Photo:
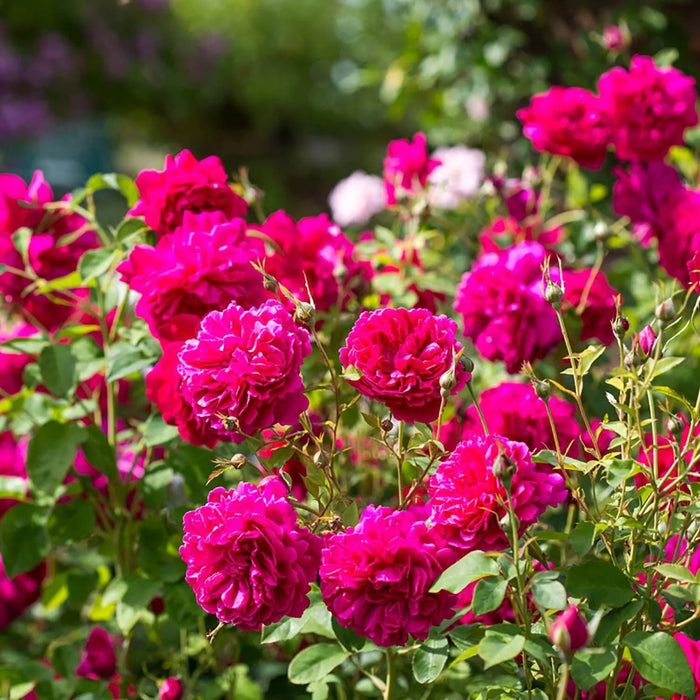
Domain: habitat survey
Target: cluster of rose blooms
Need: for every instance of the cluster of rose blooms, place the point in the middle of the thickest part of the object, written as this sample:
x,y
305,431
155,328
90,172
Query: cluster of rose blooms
x,y
237,306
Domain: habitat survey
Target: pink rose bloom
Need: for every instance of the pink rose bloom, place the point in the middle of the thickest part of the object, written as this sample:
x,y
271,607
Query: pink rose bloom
x,y
98,659
164,390
570,122
650,107
641,193
19,593
376,576
406,167
569,631
467,498
241,373
248,561
513,410
691,649
598,310
458,176
615,39
185,184
201,267
402,354
313,251
357,198
49,255
504,232
503,308
12,363
518,195
171,689
680,237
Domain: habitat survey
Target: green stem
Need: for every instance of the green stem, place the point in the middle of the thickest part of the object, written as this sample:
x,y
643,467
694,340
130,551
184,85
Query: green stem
x,y
390,674
478,408
563,681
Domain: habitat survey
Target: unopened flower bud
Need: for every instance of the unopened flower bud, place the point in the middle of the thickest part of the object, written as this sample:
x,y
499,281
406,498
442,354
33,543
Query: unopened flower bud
x,y
506,522
305,313
665,311
269,282
171,689
620,326
615,38
569,632
504,468
542,388
675,425
554,294
644,343
320,459
447,383
467,363
386,425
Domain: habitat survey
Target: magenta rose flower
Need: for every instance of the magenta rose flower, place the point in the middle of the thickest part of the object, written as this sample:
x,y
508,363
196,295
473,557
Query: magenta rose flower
x,y
241,373
650,108
503,308
468,499
679,240
513,410
171,689
200,268
407,167
691,649
98,659
12,363
313,252
164,390
58,240
376,576
185,184
591,297
402,356
248,561
641,193
568,122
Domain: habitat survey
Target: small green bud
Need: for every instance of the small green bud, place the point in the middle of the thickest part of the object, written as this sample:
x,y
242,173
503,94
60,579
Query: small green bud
x,y
554,294
675,425
305,313
665,311
542,388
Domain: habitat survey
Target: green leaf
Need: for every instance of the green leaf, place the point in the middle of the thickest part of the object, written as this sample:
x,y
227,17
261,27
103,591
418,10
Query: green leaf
x,y
621,469
676,572
72,521
609,626
158,432
58,369
99,453
51,452
124,359
660,659
548,591
315,662
95,262
24,541
471,567
488,595
581,538
496,648
351,374
130,227
600,582
591,667
315,620
348,639
665,364
589,356
430,658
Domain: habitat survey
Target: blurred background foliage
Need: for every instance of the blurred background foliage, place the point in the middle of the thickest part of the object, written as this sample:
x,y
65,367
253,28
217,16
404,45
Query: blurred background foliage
x,y
301,91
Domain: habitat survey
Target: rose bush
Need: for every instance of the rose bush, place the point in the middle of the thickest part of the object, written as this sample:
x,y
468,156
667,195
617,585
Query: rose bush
x,y
272,458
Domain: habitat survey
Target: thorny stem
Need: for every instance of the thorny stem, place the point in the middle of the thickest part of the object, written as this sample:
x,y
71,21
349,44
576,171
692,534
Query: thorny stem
x,y
478,408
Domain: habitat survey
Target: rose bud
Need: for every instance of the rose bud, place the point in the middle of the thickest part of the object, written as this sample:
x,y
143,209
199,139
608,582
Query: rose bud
x,y
171,689
569,632
98,659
